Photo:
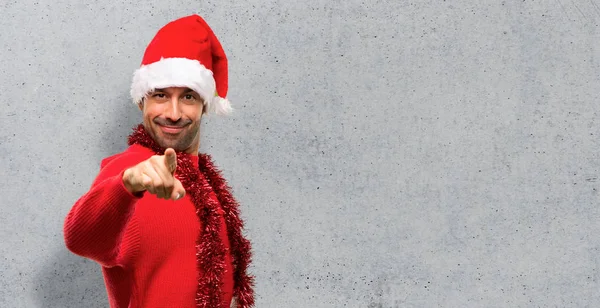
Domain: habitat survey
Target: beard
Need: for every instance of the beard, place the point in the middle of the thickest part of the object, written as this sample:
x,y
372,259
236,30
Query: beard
x,y
179,142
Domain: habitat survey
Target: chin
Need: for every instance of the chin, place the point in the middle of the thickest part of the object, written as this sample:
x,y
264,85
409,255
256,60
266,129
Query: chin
x,y
174,144
169,144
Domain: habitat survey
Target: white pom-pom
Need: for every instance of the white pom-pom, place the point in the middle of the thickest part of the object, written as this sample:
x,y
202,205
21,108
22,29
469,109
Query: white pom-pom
x,y
220,106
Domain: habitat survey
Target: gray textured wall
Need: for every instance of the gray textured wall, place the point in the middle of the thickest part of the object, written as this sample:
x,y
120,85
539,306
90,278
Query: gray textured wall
x,y
386,153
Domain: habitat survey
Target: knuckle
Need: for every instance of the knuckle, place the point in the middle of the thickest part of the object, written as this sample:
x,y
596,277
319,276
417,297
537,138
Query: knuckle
x,y
153,159
147,165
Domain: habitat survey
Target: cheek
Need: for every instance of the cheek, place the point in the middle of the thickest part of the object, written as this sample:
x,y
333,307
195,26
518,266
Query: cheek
x,y
152,111
192,112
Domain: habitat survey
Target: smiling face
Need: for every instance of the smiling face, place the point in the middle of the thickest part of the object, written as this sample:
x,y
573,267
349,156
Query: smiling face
x,y
172,117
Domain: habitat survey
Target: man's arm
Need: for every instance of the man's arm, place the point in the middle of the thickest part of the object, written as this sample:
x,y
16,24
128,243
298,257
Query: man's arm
x,y
95,225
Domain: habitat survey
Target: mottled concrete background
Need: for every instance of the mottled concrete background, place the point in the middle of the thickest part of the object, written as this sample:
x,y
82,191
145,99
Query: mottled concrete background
x,y
386,153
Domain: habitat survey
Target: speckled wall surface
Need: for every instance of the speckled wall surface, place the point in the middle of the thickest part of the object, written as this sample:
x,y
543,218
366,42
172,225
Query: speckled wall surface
x,y
385,153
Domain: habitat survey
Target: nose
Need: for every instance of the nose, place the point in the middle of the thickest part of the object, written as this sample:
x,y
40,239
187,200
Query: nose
x,y
172,112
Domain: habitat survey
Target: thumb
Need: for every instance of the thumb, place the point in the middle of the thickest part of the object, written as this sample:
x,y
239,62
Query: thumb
x,y
171,160
178,191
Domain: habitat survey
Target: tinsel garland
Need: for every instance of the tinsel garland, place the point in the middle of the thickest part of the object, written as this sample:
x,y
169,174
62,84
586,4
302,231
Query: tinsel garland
x,y
210,251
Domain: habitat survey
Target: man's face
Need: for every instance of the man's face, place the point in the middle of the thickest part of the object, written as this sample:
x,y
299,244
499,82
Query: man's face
x,y
172,117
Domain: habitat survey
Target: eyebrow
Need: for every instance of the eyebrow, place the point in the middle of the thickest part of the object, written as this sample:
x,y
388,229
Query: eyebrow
x,y
188,90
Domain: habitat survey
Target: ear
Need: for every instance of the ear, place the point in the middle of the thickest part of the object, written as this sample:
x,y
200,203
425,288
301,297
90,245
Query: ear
x,y
141,105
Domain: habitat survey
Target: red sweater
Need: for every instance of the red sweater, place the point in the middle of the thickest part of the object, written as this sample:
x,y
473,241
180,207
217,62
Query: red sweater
x,y
145,245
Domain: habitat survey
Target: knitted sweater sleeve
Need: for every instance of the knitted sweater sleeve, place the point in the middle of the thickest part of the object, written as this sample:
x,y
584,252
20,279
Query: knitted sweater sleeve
x,y
95,226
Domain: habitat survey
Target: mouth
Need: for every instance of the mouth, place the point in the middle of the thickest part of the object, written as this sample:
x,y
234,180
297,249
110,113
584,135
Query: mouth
x,y
171,129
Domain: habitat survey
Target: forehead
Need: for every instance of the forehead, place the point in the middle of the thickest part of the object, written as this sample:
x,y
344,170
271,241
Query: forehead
x,y
174,90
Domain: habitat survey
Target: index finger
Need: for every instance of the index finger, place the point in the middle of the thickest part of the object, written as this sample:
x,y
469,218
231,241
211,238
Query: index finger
x,y
171,160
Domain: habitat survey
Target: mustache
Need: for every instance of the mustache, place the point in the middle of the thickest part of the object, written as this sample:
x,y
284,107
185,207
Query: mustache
x,y
166,122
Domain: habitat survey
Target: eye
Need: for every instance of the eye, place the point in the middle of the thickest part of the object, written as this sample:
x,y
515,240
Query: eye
x,y
159,95
189,97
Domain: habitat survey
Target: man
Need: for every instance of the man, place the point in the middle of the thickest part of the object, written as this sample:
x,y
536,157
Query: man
x,y
159,218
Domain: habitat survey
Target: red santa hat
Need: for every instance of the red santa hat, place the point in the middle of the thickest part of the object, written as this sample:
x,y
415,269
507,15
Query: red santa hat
x,y
185,53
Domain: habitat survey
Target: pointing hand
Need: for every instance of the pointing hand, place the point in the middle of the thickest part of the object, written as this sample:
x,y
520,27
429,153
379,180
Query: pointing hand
x,y
155,175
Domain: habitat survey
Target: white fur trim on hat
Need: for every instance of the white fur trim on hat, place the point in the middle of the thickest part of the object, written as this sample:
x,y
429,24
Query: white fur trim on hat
x,y
220,106
179,72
